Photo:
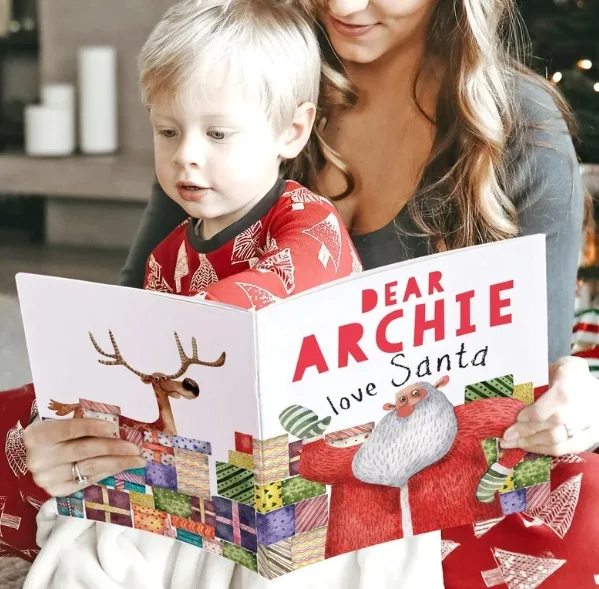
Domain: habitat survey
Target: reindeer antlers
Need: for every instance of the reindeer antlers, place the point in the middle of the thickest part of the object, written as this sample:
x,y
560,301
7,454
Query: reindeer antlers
x,y
118,360
186,361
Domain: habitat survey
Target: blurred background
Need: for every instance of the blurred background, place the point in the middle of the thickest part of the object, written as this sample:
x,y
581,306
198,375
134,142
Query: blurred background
x,y
75,214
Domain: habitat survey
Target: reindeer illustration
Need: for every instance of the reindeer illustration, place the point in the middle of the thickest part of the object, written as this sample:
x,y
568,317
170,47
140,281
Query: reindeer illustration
x,y
166,386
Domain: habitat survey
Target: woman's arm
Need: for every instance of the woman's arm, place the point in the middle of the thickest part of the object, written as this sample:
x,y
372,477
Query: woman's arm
x,y
549,197
161,216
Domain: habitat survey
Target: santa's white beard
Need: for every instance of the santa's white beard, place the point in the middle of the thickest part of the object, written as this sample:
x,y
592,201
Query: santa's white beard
x,y
400,447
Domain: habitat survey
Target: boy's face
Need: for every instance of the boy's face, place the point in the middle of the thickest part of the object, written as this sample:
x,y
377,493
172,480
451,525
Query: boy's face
x,y
216,154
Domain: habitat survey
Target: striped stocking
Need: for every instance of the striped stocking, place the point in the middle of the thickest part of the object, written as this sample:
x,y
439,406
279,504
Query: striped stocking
x,y
491,481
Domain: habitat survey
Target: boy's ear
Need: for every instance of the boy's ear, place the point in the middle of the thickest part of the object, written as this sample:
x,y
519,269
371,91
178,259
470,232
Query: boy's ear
x,y
295,137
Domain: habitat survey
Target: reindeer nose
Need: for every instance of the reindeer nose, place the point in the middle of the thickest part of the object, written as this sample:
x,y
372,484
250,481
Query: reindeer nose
x,y
191,385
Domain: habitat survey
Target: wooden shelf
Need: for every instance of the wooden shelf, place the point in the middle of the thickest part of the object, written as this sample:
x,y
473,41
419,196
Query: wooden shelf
x,y
118,177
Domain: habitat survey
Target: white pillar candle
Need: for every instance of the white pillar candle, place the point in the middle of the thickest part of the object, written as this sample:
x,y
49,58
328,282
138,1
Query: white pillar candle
x,y
98,124
58,96
48,131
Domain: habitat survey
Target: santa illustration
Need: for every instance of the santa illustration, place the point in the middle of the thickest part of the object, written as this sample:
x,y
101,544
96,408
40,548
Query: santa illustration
x,y
423,468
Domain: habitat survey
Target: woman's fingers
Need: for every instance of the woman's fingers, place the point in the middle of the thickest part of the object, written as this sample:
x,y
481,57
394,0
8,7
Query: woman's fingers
x,y
45,458
50,433
59,482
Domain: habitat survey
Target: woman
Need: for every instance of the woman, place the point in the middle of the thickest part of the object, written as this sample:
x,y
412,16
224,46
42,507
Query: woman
x,y
439,142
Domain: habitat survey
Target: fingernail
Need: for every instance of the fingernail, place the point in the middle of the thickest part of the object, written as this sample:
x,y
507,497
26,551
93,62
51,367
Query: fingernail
x,y
507,445
511,435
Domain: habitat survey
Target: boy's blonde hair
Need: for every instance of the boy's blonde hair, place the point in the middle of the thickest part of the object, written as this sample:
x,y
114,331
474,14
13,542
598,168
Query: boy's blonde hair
x,y
269,44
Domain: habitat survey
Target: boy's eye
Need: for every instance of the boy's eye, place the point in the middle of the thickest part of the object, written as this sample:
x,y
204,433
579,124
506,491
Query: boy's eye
x,y
218,135
168,133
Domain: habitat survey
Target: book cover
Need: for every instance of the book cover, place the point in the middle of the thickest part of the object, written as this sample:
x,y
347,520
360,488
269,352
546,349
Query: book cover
x,y
357,413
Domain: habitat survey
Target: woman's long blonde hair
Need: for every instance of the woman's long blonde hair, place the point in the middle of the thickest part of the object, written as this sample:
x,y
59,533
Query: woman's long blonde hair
x,y
462,198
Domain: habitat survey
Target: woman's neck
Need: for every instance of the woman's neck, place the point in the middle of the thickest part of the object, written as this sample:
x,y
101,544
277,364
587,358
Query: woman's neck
x,y
389,81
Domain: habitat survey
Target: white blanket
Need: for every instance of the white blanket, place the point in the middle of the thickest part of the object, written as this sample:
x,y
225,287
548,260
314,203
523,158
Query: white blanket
x,y
79,554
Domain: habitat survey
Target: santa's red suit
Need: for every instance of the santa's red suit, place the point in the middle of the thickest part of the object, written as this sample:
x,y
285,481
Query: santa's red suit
x,y
443,495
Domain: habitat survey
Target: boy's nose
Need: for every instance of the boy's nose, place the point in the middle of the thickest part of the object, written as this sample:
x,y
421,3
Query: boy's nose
x,y
189,154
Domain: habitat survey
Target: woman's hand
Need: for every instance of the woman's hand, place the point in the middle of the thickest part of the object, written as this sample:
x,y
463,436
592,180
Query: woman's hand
x,y
53,447
565,420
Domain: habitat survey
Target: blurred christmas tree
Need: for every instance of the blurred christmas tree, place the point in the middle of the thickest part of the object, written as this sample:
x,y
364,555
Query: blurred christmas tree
x,y
565,45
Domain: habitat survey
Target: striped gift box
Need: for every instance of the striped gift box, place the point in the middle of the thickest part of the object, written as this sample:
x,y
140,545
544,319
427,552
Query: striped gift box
x,y
193,474
275,560
537,496
308,548
86,404
271,459
134,475
108,505
190,538
502,386
203,511
236,523
235,483
132,435
312,514
193,527
350,432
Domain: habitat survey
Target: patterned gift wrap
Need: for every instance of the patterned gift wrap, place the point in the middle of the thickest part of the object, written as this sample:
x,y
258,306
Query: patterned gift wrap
x,y
268,497
88,405
244,443
537,496
148,519
236,523
532,472
275,560
193,527
296,489
190,538
158,454
214,546
271,459
72,505
240,556
108,505
349,434
312,514
132,435
142,499
109,417
172,502
308,548
489,389
508,485
192,445
133,475
154,437
161,475
295,449
193,475
513,502
241,459
275,526
235,483
525,392
203,511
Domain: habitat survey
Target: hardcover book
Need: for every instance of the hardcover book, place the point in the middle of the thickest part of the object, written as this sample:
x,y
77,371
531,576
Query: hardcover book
x,y
360,412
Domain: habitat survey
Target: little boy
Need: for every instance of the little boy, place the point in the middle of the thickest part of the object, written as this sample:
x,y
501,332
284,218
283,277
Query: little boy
x,y
231,88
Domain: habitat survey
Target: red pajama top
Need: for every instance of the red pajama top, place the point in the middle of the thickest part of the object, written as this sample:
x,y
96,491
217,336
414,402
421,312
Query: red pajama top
x,y
292,240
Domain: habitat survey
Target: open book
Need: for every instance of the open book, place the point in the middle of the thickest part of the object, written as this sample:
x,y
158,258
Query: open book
x,y
354,414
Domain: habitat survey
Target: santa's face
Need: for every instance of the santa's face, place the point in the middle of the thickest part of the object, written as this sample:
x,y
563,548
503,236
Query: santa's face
x,y
401,445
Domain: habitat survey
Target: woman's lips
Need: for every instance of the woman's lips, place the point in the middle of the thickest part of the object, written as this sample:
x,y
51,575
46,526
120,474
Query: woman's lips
x,y
350,30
